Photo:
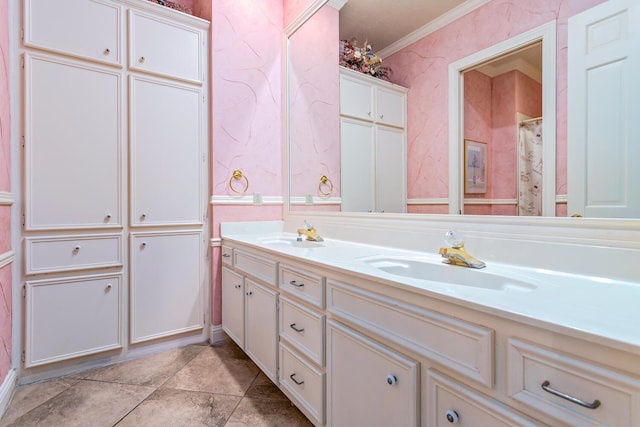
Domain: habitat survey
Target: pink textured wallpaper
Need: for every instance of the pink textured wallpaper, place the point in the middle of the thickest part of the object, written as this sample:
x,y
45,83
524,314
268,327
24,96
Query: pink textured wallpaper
x,y
5,186
246,73
246,85
423,67
314,90
293,9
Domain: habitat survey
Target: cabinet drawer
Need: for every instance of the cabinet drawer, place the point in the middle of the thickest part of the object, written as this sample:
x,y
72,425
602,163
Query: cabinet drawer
x,y
72,317
303,328
531,366
452,403
464,347
164,47
92,31
304,382
261,268
227,255
304,285
47,255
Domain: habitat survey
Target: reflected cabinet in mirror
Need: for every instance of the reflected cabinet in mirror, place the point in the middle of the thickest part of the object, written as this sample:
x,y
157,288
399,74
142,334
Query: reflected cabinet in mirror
x,y
477,114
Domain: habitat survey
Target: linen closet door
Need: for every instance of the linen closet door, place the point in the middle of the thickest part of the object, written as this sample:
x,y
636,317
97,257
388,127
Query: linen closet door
x,y
73,126
166,154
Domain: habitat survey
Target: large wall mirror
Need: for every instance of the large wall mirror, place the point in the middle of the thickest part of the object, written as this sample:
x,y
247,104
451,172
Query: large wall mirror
x,y
492,96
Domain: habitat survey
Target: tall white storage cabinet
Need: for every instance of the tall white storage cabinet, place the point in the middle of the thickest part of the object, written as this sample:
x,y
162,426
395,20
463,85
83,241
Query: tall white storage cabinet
x,y
115,145
373,144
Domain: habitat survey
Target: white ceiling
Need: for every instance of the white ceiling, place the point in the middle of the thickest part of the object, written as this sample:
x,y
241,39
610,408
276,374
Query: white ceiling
x,y
383,22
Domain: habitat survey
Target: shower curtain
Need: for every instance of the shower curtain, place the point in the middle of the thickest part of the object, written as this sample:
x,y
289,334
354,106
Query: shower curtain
x,y
530,167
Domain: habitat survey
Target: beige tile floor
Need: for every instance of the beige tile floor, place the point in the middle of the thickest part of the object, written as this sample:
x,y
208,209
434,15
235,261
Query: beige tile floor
x,y
197,385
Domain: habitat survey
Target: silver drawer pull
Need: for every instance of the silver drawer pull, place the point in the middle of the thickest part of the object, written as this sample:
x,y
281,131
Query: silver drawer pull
x,y
296,284
293,326
293,378
226,256
594,405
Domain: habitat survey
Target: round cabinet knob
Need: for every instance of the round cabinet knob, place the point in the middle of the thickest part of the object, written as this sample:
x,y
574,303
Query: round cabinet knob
x,y
143,216
249,293
107,51
237,286
141,60
76,249
452,416
109,286
143,244
391,379
108,216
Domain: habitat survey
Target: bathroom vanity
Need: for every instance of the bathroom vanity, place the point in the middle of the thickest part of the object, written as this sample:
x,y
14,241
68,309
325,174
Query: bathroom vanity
x,y
359,334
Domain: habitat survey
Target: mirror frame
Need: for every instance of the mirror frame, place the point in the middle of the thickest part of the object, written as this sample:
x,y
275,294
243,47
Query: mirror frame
x,y
620,233
546,34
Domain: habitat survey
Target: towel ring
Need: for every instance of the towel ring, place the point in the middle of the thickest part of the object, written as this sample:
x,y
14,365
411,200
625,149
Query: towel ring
x,y
325,182
238,176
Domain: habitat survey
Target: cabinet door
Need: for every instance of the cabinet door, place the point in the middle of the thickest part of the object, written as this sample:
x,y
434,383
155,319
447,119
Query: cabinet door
x,y
165,47
261,340
368,384
166,154
72,317
233,305
357,179
92,28
391,107
73,138
166,291
391,181
356,98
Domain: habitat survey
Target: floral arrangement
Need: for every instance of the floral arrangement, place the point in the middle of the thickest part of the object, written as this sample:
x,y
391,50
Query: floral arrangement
x,y
362,59
173,5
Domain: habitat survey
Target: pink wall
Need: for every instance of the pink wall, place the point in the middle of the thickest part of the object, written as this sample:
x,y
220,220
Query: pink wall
x,y
246,70
315,105
423,67
5,186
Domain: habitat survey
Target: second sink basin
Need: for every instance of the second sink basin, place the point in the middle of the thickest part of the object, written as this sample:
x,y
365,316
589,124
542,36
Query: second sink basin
x,y
422,269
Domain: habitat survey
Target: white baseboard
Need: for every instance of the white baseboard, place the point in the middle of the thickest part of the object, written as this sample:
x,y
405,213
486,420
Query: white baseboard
x,y
6,390
216,334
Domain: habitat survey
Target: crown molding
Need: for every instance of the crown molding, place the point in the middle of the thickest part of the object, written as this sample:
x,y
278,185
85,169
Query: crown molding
x,y
432,26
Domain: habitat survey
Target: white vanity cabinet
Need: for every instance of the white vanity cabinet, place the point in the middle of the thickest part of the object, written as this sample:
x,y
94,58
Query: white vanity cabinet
x,y
373,144
358,350
250,307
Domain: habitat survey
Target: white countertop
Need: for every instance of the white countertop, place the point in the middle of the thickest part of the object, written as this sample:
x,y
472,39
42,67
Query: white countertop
x,y
593,308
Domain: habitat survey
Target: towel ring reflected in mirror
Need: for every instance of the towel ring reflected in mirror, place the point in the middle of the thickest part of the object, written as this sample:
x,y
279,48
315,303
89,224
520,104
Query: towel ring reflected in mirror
x,y
239,176
326,186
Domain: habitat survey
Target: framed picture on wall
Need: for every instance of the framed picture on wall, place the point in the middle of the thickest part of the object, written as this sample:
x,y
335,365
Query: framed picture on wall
x,y
475,167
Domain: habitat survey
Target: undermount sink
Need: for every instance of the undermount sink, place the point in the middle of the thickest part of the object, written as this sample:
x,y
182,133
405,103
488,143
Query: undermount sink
x,y
433,271
289,241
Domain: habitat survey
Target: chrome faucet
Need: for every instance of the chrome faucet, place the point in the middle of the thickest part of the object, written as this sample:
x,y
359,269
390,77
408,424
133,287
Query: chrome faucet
x,y
310,233
455,254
